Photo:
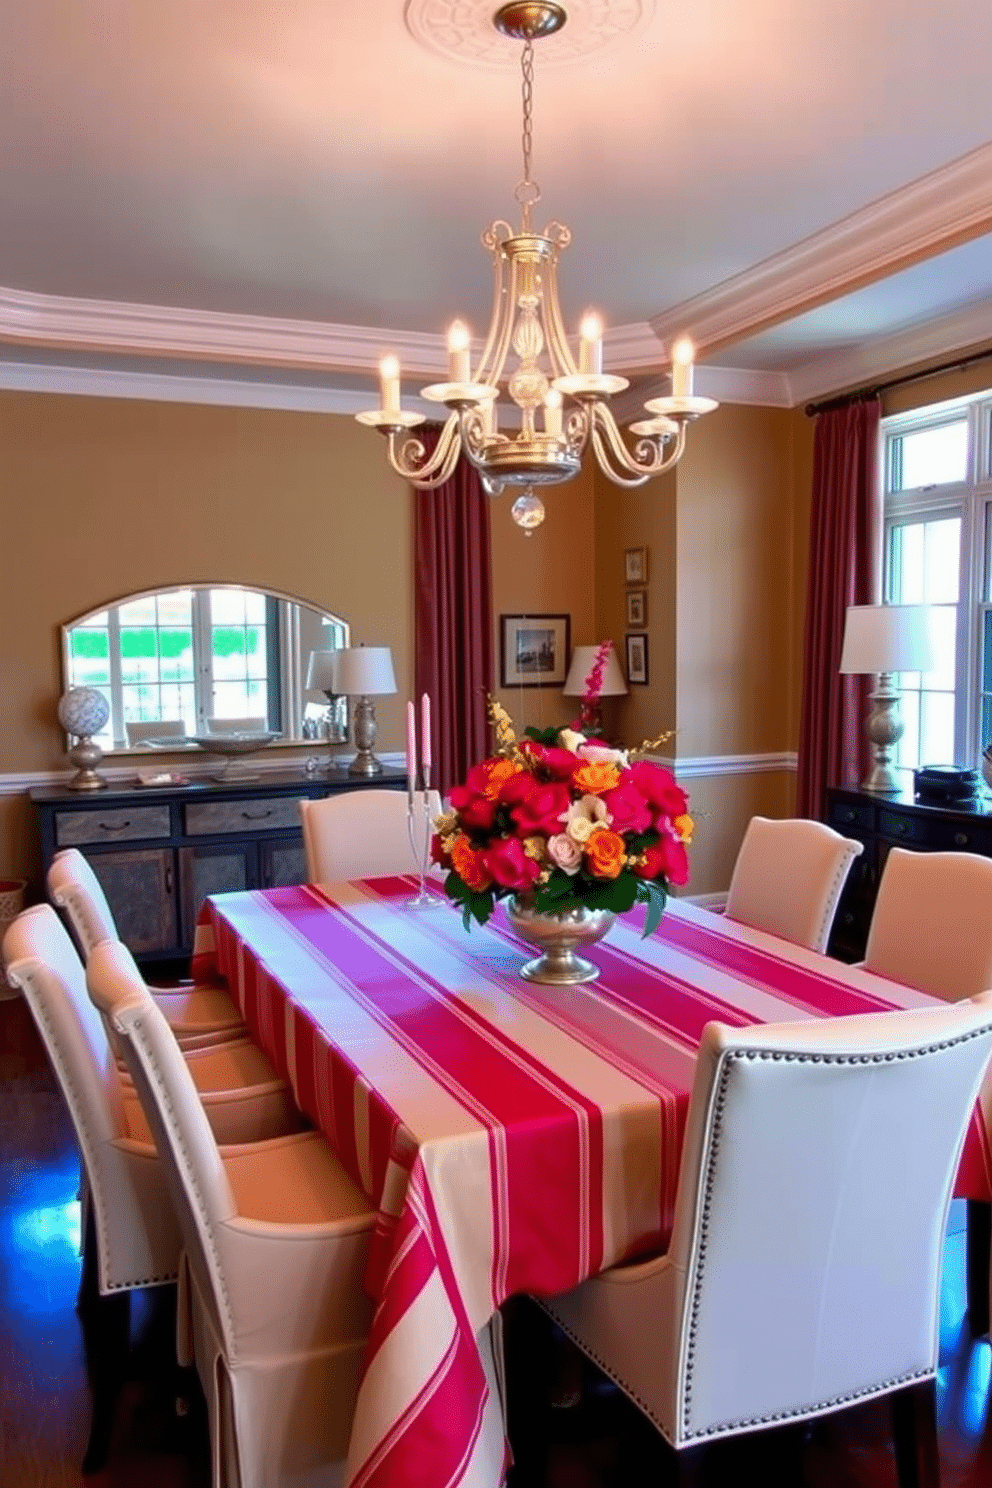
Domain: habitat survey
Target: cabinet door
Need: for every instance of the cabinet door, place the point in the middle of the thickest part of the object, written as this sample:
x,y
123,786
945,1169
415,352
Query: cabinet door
x,y
140,889
218,868
283,862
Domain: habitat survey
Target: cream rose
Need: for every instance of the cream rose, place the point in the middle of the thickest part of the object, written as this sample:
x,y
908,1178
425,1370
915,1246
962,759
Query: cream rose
x,y
600,755
569,739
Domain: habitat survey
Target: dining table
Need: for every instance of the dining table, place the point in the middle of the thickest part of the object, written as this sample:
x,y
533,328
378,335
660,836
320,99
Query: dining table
x,y
514,1137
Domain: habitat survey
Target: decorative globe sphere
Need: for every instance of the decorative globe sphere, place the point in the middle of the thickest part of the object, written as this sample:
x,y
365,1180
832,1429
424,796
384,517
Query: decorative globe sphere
x,y
83,711
528,511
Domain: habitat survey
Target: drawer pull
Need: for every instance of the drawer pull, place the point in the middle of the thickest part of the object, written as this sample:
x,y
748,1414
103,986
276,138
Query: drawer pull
x,y
901,829
114,826
256,815
961,839
847,815
168,878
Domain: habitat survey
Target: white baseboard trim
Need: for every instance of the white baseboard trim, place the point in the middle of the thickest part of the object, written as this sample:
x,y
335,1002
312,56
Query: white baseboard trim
x,y
716,902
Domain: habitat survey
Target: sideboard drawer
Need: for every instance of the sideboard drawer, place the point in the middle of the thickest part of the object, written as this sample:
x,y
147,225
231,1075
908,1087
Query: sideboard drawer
x,y
898,826
217,818
846,814
123,824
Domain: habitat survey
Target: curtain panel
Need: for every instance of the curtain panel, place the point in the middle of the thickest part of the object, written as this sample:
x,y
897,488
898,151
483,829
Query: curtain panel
x,y
845,568
453,646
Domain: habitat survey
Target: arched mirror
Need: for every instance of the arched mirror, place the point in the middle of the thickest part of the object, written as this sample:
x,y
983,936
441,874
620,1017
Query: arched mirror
x,y
206,657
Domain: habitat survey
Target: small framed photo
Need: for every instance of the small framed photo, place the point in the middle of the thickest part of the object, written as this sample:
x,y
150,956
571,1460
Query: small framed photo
x,y
635,565
534,650
637,608
637,659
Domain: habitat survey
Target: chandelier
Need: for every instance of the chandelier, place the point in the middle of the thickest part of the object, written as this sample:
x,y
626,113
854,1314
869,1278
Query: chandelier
x,y
562,402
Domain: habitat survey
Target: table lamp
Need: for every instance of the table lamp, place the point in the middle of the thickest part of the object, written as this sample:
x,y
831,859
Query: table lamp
x,y
611,685
364,672
886,639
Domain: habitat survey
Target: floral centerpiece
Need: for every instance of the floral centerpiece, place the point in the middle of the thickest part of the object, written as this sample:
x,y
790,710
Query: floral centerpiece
x,y
564,824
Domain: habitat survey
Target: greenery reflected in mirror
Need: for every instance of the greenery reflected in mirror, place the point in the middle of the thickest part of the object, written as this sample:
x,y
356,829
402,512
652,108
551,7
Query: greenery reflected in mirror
x,y
195,659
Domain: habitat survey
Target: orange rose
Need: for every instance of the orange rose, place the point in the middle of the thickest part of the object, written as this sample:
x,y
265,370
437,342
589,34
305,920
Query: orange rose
x,y
605,853
468,865
595,778
498,772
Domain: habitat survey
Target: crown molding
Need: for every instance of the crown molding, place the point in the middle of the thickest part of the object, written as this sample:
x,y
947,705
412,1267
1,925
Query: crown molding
x,y
34,319
874,360
929,216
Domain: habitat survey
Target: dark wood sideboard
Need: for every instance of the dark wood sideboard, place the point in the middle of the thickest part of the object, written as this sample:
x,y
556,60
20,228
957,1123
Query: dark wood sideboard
x,y
159,851
894,820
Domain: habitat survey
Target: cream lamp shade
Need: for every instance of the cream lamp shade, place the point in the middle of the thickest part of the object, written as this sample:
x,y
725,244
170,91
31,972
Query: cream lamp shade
x,y
364,671
888,638
583,658
322,672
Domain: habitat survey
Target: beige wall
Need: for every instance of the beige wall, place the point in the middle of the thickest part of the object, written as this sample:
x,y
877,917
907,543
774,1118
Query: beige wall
x,y
102,497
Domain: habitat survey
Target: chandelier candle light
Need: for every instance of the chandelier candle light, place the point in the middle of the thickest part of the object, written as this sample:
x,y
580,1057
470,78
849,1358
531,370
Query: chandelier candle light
x,y
526,323
420,852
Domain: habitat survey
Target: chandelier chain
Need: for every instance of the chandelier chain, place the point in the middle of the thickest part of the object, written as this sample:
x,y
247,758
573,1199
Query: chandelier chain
x,y
528,192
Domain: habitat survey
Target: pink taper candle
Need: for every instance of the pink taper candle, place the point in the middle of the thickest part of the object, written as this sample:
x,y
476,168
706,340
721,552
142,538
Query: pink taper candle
x,y
425,731
411,752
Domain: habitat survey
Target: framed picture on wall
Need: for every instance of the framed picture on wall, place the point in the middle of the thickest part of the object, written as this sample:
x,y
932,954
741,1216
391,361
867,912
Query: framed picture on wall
x,y
637,660
637,608
534,650
635,565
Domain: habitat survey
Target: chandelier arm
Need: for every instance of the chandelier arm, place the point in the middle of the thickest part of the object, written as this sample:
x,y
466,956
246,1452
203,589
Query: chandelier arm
x,y
409,459
615,458
558,346
498,338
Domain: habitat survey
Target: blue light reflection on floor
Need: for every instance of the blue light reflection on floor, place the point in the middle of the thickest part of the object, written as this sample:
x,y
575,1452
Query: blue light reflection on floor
x,y
39,1244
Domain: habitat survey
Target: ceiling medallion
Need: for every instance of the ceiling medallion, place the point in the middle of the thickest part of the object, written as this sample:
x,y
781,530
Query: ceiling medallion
x,y
528,356
463,30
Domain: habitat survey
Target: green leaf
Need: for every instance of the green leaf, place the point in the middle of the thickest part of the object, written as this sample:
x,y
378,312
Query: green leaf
x,y
657,899
548,737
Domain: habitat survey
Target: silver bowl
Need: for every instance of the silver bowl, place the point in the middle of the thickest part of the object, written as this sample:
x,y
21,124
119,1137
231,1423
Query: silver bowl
x,y
233,747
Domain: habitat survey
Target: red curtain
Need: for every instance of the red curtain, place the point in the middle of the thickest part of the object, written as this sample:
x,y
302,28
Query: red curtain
x,y
453,646
844,569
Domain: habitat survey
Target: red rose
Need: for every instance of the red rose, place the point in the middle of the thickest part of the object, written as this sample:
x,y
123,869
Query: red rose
x,y
628,808
439,853
535,805
509,865
559,763
666,859
475,811
658,787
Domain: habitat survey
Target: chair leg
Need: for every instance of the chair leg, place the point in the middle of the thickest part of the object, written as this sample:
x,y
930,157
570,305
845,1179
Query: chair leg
x,y
978,1259
105,1323
914,1430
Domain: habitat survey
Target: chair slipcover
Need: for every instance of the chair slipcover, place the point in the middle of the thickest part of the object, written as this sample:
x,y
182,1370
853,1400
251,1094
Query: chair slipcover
x,y
932,923
364,833
199,1016
276,1240
788,878
803,1272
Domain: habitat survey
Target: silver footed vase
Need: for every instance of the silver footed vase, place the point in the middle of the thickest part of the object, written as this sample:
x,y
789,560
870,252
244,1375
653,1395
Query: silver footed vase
x,y
558,936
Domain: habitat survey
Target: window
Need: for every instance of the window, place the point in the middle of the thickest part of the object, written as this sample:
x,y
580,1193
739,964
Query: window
x,y
938,551
200,653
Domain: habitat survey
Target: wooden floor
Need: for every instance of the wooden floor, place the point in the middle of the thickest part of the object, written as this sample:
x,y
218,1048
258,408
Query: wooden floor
x,y
601,1443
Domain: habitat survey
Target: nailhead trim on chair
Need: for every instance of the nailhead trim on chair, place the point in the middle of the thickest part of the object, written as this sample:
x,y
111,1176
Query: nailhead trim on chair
x,y
830,907
154,1074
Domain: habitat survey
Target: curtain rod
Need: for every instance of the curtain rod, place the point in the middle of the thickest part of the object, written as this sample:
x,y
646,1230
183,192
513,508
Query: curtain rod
x,y
864,395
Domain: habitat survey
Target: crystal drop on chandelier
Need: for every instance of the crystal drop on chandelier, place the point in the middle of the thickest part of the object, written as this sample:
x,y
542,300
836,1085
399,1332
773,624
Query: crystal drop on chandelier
x,y
528,511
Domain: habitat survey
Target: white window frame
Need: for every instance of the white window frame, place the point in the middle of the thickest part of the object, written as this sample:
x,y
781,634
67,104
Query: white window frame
x,y
971,499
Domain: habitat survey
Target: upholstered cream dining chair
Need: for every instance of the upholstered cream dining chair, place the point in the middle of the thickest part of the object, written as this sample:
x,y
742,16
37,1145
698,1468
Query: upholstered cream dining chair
x,y
788,878
363,833
803,1272
931,926
199,1016
163,728
276,1238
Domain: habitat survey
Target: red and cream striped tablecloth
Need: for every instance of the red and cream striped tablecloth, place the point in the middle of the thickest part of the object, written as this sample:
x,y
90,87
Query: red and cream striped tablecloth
x,y
515,1137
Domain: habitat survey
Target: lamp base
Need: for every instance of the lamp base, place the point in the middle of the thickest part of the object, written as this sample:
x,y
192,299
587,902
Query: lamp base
x,y
366,732
885,729
86,754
